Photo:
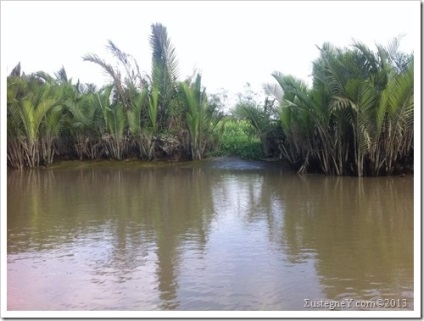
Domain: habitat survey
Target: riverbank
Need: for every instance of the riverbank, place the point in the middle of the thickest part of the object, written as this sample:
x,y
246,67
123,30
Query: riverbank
x,y
218,162
222,162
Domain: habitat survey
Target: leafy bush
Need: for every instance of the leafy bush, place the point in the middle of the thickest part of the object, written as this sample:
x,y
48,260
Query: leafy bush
x,y
238,140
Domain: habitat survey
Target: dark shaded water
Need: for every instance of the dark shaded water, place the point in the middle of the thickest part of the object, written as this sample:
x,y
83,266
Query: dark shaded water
x,y
211,235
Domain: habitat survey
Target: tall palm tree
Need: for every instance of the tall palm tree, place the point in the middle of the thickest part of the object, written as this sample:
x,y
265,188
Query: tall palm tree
x,y
164,70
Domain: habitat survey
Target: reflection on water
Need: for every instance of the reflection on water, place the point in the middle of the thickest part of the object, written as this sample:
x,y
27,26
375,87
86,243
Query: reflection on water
x,y
212,235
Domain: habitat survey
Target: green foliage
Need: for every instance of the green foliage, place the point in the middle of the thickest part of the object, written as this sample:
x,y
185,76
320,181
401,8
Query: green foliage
x,y
164,71
197,118
239,139
245,150
153,108
33,121
356,119
262,119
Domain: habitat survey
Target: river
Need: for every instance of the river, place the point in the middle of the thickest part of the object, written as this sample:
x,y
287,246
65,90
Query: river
x,y
220,234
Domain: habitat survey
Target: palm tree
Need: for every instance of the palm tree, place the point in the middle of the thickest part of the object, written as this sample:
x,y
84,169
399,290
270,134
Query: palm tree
x,y
142,134
82,120
164,70
197,116
397,128
130,90
362,83
16,89
358,117
113,123
33,116
296,121
50,132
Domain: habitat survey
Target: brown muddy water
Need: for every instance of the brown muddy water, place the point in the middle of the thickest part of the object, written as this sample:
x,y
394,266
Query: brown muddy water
x,y
219,234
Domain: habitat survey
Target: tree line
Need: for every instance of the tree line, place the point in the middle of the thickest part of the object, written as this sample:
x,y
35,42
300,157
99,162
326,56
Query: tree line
x,y
356,119
146,116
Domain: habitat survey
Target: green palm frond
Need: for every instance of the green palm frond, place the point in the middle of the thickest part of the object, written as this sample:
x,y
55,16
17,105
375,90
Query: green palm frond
x,y
14,120
116,122
198,115
401,102
163,54
133,79
153,108
135,113
102,63
112,72
274,91
164,66
43,76
52,121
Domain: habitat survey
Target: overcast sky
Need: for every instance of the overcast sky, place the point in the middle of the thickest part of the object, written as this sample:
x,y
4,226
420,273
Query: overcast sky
x,y
231,43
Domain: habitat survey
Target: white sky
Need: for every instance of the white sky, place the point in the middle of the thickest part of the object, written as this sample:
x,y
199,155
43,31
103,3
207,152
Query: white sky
x,y
230,42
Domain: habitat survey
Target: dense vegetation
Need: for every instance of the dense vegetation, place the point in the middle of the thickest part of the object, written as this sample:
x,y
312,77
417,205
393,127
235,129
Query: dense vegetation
x,y
357,119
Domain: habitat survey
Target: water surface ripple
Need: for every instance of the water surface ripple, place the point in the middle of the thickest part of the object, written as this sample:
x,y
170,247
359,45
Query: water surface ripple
x,y
212,235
